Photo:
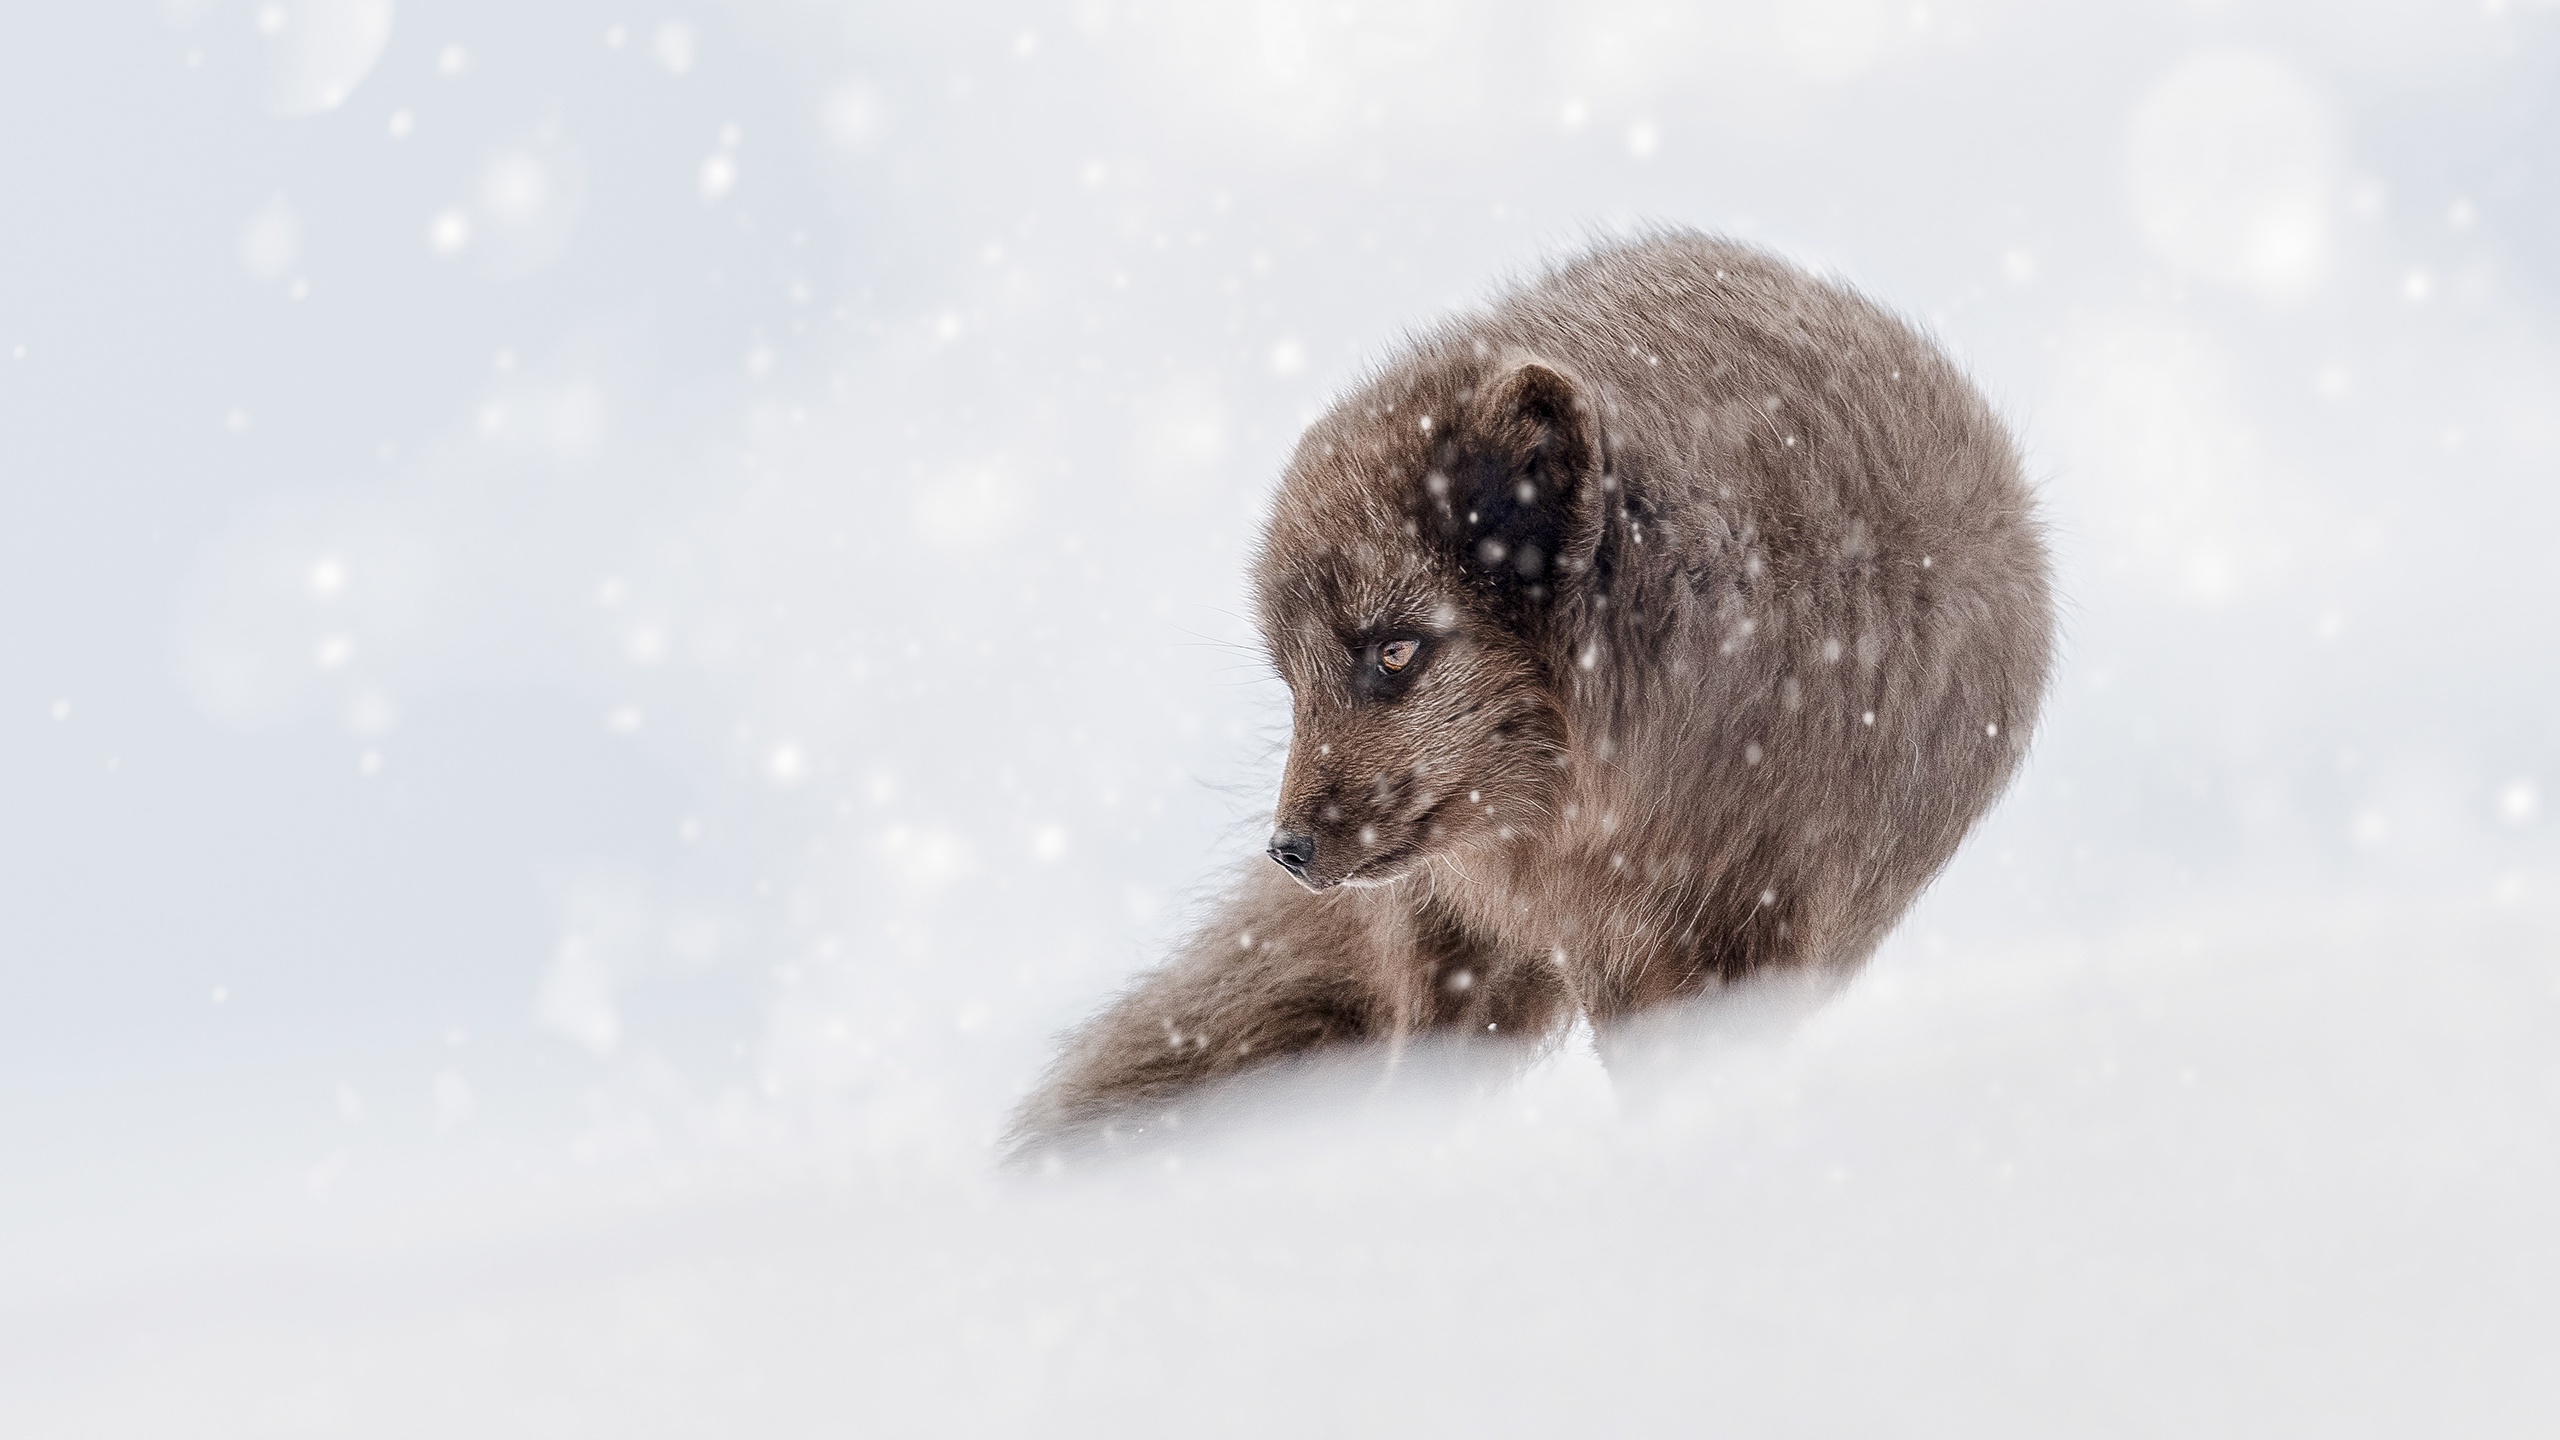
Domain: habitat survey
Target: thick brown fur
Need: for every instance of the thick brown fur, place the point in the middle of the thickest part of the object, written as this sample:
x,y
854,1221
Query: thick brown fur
x,y
1730,615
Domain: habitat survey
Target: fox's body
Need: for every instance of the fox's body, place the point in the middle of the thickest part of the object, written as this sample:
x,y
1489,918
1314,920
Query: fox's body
x,y
1667,623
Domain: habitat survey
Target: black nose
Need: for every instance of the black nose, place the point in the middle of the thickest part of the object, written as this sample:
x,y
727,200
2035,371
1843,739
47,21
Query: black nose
x,y
1294,849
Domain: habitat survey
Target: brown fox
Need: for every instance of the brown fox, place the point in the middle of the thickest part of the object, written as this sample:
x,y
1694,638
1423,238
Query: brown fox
x,y
1665,624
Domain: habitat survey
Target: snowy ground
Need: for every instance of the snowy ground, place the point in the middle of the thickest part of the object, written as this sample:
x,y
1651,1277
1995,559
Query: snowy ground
x,y
612,617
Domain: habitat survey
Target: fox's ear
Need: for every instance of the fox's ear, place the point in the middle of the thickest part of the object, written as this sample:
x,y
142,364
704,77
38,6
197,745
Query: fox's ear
x,y
1513,492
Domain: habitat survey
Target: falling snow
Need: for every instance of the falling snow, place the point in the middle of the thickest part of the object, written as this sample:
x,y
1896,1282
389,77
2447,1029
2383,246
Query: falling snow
x,y
537,866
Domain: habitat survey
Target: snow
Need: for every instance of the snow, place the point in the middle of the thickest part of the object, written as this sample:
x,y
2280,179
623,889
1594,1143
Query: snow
x,y
319,51
526,890
2233,170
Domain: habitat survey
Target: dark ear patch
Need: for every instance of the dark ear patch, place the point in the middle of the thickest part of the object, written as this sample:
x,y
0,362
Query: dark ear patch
x,y
1506,485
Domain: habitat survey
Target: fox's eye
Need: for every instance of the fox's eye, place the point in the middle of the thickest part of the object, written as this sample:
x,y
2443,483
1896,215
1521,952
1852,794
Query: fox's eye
x,y
1385,669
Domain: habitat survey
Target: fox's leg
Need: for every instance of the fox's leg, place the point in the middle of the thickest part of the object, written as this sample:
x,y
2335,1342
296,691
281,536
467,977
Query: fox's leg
x,y
1468,990
1277,973
1756,953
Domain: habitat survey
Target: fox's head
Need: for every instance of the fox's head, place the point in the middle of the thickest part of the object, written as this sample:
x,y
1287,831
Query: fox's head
x,y
1430,537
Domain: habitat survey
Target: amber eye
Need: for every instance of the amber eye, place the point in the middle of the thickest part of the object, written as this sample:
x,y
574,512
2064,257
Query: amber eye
x,y
1397,654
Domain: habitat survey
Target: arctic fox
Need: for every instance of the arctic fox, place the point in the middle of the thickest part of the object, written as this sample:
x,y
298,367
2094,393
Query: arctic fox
x,y
1666,623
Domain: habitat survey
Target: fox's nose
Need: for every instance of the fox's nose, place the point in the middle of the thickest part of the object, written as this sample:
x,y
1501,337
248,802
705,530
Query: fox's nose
x,y
1294,849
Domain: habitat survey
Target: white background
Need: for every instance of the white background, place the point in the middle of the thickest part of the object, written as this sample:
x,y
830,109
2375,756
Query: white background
x,y
611,617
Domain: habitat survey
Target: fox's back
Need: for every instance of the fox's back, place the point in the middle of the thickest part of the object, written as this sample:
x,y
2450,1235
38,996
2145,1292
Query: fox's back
x,y
1826,622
